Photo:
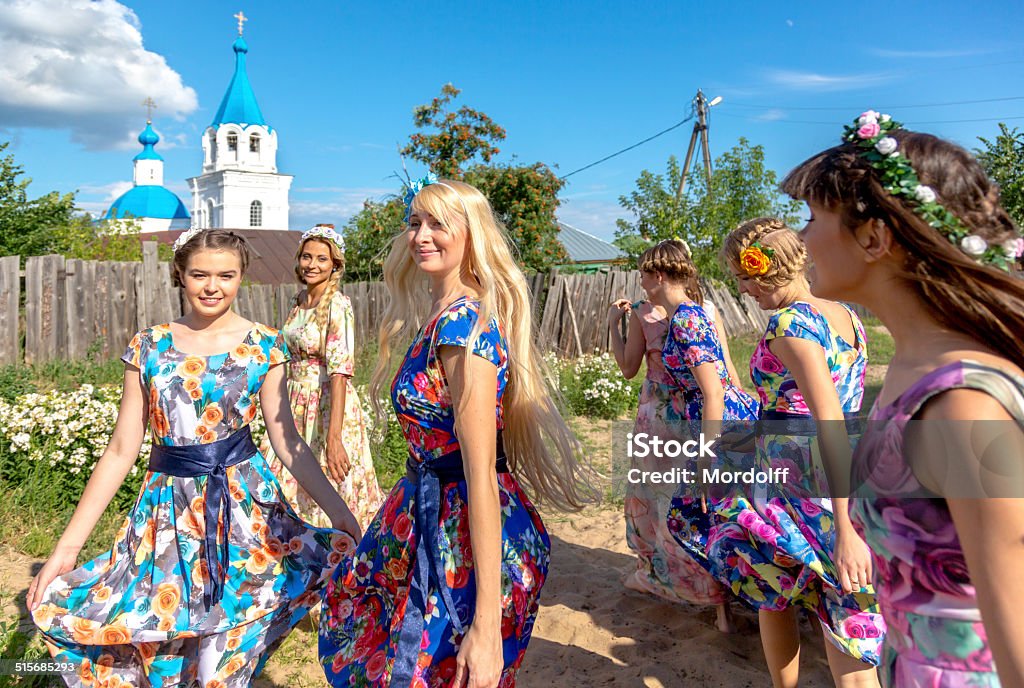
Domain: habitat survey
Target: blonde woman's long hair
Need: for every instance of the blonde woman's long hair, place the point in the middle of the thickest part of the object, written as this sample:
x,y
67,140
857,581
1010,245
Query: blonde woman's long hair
x,y
542,451
323,307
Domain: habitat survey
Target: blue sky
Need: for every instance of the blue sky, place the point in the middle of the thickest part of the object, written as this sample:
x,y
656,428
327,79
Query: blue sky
x,y
570,81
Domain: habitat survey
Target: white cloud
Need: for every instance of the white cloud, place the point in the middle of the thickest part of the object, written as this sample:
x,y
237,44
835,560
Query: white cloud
x,y
592,216
926,54
110,192
81,65
810,81
337,208
773,115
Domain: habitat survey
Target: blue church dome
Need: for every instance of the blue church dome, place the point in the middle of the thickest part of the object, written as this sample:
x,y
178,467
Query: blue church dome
x,y
239,104
148,138
147,201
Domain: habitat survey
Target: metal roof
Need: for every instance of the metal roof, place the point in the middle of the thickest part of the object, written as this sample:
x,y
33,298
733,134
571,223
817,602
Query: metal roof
x,y
274,249
239,104
587,248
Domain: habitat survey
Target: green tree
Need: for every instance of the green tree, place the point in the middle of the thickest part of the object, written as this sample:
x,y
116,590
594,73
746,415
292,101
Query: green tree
x,y
742,187
88,239
460,145
525,198
27,226
368,237
1003,160
459,136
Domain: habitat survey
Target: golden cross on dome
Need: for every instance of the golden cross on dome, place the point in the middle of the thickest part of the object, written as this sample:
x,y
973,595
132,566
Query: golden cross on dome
x,y
241,20
150,106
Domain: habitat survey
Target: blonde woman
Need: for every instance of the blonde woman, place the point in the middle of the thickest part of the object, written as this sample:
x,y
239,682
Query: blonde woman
x,y
445,584
324,402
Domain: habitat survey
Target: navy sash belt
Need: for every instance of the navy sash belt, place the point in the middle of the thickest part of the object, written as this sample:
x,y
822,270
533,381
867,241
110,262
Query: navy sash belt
x,y
776,423
211,460
428,477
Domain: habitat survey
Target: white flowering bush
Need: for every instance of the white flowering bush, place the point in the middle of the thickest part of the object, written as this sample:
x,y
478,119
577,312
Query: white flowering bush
x,y
54,440
592,385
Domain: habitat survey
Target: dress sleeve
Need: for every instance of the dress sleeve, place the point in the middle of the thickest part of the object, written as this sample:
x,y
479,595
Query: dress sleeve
x,y
133,354
710,309
796,320
340,338
278,352
455,325
694,337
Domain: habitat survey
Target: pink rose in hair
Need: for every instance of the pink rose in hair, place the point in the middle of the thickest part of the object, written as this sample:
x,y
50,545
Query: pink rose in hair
x,y
869,130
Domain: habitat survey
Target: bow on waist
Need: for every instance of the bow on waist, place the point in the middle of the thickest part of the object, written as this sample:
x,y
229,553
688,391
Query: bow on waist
x,y
428,477
211,460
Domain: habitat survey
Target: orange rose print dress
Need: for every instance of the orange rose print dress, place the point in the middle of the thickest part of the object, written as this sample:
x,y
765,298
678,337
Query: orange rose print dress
x,y
141,614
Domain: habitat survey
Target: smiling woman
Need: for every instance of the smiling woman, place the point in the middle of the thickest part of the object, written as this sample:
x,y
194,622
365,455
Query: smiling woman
x,y
201,558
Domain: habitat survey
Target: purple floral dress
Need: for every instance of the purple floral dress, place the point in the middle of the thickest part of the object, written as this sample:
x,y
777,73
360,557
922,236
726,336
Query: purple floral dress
x,y
936,638
692,341
774,546
365,605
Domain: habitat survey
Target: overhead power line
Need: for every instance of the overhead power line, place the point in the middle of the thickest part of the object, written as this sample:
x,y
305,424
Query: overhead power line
x,y
689,117
833,123
753,106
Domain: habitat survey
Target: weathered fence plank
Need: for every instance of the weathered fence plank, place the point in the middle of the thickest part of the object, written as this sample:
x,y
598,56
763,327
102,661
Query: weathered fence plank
x,y
10,298
44,288
79,307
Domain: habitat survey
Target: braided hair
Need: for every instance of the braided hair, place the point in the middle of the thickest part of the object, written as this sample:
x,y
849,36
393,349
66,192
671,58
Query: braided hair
x,y
210,240
323,307
672,258
789,257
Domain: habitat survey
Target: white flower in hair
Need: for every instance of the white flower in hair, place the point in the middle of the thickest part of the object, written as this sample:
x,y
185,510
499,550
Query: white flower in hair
x,y
185,237
886,145
924,194
973,245
884,118
869,117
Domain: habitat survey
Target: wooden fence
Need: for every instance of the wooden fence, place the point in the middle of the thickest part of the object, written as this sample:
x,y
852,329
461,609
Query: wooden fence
x,y
76,307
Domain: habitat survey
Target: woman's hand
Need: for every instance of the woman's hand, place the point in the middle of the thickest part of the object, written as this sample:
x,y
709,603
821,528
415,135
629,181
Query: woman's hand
x,y
337,458
618,309
852,559
343,519
61,561
480,659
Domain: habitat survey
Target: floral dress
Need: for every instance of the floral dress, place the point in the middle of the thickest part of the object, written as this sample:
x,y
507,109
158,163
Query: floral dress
x,y
773,545
365,607
936,638
662,566
692,341
309,392
135,616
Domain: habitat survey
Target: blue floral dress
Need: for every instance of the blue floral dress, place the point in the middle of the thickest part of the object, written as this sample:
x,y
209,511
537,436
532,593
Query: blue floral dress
x,y
692,341
773,545
365,607
136,615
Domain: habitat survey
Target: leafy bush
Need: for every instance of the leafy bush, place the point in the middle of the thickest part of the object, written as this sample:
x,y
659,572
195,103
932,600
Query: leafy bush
x,y
592,385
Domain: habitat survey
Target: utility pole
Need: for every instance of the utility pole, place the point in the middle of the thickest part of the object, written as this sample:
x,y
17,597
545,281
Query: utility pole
x,y
700,129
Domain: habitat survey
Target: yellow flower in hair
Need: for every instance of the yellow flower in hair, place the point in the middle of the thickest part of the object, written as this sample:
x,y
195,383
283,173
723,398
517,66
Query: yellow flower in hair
x,y
756,260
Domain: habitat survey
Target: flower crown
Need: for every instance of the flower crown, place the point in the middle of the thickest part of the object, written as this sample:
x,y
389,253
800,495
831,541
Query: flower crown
x,y
756,260
185,237
325,232
870,133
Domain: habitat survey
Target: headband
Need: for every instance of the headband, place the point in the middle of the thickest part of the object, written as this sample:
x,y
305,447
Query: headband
x,y
870,134
186,237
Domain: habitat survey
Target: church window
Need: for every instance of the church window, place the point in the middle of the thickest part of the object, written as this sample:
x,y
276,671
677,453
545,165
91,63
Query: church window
x,y
232,142
213,147
256,214
254,143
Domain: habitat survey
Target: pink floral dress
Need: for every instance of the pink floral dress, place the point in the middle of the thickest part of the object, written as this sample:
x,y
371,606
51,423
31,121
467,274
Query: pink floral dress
x,y
936,638
662,566
316,356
